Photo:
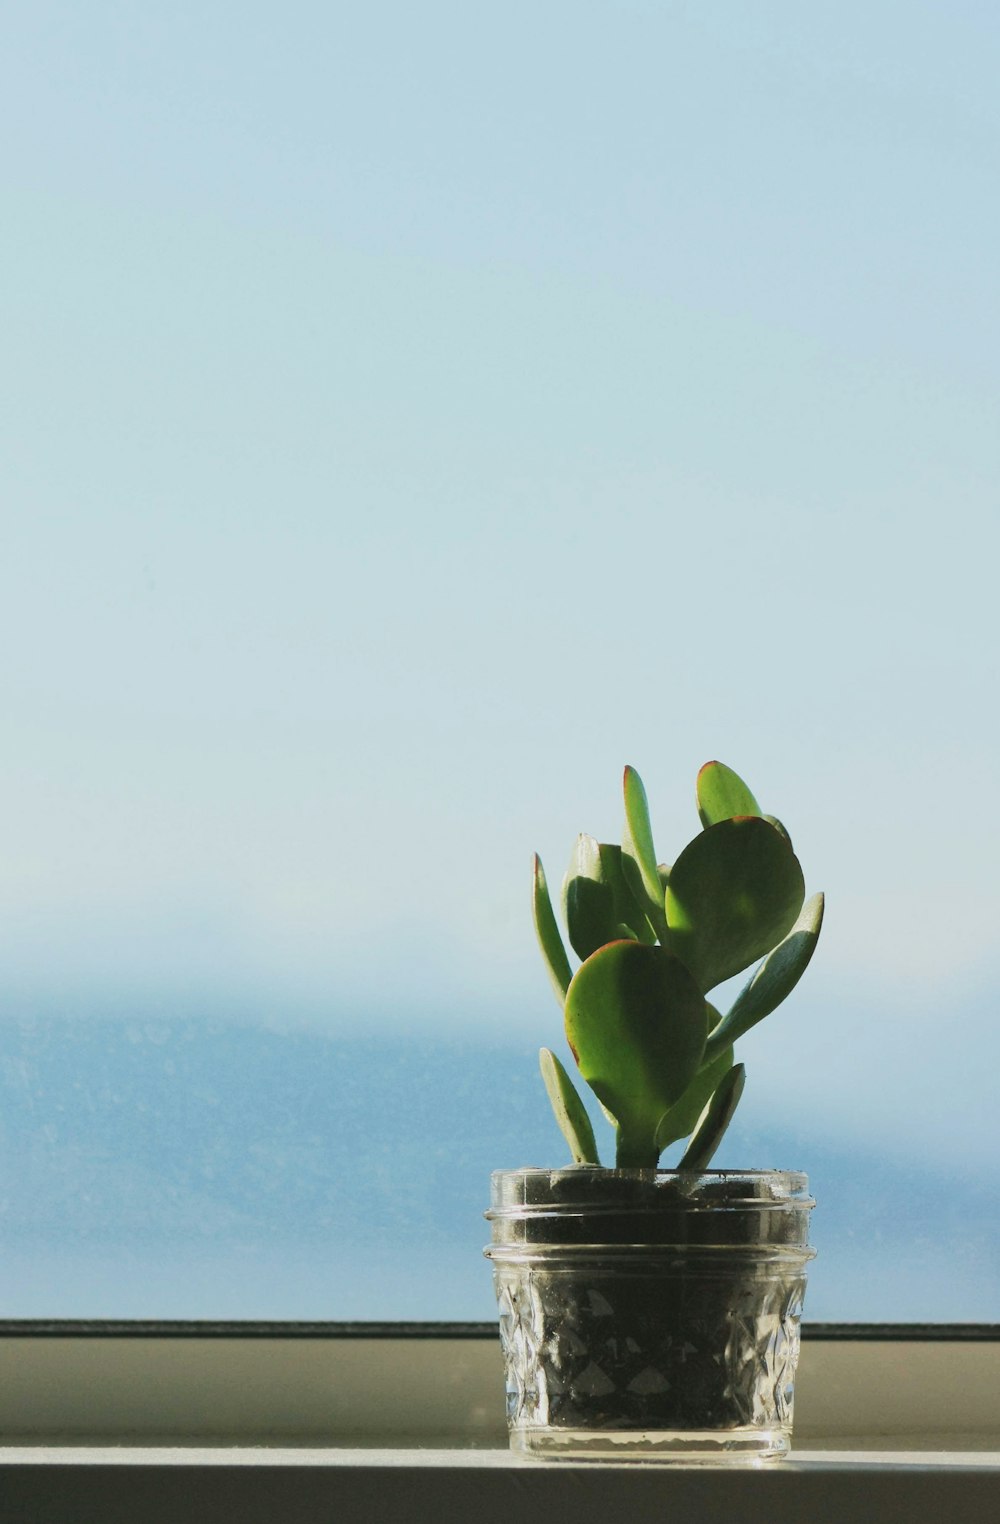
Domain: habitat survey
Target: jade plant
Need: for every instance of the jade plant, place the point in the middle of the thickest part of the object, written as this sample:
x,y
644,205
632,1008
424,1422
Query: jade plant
x,y
654,942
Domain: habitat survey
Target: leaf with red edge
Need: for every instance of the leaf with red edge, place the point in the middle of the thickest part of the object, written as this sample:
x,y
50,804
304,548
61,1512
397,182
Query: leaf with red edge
x,y
734,892
722,794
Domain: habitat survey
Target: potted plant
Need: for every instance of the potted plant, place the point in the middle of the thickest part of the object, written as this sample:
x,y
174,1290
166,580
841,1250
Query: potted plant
x,y
644,1311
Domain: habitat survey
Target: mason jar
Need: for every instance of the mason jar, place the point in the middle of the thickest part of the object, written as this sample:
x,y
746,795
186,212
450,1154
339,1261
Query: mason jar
x,y
649,1313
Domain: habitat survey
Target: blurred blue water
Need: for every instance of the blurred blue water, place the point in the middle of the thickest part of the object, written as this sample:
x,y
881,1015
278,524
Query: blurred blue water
x,y
199,1168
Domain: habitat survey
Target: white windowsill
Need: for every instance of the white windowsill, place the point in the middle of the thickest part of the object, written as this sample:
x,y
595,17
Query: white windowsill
x,y
409,1486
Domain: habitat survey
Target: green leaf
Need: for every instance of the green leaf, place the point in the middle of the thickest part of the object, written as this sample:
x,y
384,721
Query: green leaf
x,y
775,979
636,1024
682,1118
715,1121
630,908
547,931
639,854
588,901
773,820
569,1110
647,915
722,794
597,900
734,892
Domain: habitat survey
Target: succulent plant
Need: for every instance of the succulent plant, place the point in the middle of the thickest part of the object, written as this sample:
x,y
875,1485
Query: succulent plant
x,y
653,942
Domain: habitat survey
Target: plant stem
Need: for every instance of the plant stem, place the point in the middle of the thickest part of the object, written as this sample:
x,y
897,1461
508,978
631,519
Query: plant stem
x,y
636,1152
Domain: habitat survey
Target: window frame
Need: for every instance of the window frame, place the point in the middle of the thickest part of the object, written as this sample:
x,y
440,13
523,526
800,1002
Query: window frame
x,y
404,1423
922,1387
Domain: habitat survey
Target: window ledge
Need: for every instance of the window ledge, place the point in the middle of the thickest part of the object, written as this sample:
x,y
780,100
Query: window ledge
x,y
300,1486
312,1423
438,1388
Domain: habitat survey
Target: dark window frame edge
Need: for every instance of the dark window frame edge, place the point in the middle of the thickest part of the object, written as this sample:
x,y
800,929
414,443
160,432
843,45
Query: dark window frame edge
x,y
109,1328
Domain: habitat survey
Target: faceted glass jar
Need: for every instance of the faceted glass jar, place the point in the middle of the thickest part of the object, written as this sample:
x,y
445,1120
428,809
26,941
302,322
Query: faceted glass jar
x,y
649,1313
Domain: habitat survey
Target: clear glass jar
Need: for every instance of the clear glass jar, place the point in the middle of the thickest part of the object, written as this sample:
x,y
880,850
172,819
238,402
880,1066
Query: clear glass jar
x,y
649,1313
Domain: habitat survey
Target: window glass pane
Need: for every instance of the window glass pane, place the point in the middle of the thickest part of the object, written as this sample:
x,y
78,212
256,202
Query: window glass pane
x,y
411,415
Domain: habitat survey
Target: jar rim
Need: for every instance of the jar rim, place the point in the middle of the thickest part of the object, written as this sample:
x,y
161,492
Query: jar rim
x,y
587,1202
637,1173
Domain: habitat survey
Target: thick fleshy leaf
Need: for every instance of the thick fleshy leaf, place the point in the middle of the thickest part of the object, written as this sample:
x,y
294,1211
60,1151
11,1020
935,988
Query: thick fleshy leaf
x,y
722,794
639,854
717,1118
629,907
598,904
547,931
682,1118
569,1110
650,916
776,977
636,1024
734,892
588,901
773,820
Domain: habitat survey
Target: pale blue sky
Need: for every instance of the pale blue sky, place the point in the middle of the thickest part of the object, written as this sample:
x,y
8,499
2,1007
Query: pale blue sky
x,y
412,413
